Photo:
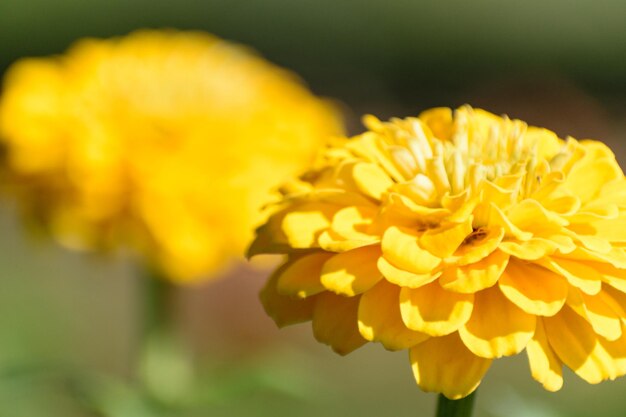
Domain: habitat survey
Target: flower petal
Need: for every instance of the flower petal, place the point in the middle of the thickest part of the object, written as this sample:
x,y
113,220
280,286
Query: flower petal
x,y
474,277
285,310
335,322
497,327
400,247
443,241
380,320
545,366
432,310
352,223
372,180
576,344
301,277
352,272
534,289
403,278
445,365
303,224
578,274
479,245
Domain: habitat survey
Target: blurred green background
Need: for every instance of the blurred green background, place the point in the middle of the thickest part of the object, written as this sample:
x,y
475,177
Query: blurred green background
x,y
68,321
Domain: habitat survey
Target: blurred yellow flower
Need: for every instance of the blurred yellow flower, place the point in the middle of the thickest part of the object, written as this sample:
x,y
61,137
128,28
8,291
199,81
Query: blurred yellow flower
x,y
462,237
165,141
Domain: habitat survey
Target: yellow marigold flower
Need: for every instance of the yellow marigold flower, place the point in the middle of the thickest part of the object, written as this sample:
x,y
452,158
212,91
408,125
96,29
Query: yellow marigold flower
x,y
162,140
462,237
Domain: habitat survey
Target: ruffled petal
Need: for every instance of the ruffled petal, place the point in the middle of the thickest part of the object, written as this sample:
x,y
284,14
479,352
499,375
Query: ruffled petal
x,y
400,247
578,274
303,224
545,366
497,327
285,310
577,346
380,320
445,365
479,245
352,272
534,289
475,277
443,241
300,276
432,310
403,278
335,322
372,180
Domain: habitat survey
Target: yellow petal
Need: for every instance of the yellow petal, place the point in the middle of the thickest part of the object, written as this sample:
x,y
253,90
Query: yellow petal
x,y
578,274
301,277
474,277
530,215
444,365
534,289
332,242
285,310
545,366
372,180
403,278
352,272
303,224
497,327
604,314
576,345
400,247
586,179
478,245
380,320
530,250
335,322
353,223
498,218
432,310
443,241
438,120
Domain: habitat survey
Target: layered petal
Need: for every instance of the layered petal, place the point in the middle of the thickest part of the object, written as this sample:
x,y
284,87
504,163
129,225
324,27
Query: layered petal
x,y
497,327
380,320
352,272
445,365
534,289
335,322
432,310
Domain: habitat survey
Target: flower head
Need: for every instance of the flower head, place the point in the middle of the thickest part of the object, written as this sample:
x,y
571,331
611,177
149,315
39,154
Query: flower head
x,y
165,141
462,237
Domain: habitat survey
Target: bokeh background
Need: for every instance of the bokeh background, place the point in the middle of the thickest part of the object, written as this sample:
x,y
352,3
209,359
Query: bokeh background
x,y
68,321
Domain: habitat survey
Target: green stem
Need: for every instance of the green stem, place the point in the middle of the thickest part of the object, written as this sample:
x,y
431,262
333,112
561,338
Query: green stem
x,y
156,304
455,408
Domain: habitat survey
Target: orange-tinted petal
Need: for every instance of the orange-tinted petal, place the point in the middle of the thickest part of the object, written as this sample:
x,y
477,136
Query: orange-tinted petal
x,y
432,310
380,320
534,289
497,327
443,241
335,322
352,272
400,247
545,366
301,277
403,278
475,277
576,345
285,310
445,365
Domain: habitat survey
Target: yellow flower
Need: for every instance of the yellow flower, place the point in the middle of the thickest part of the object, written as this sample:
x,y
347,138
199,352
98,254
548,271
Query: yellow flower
x,y
165,141
462,237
